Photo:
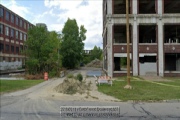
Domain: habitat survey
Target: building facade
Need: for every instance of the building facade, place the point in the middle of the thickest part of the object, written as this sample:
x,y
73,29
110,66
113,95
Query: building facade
x,y
154,37
13,33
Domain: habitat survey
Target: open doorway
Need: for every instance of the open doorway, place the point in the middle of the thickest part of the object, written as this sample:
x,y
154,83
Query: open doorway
x,y
120,64
172,61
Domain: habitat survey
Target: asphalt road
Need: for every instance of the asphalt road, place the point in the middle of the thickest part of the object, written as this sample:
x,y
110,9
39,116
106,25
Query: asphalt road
x,y
30,104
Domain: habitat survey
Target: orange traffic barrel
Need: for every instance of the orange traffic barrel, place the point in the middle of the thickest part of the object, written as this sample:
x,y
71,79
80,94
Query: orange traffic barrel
x,y
45,76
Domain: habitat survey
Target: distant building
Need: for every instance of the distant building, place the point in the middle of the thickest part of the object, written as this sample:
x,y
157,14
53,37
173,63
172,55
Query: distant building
x,y
87,52
154,37
41,25
13,33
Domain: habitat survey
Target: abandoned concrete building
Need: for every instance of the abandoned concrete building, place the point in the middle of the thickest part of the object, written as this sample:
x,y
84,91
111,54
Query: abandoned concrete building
x,y
154,37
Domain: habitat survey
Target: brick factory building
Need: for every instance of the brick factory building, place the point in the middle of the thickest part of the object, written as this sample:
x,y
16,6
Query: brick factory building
x,y
13,33
154,37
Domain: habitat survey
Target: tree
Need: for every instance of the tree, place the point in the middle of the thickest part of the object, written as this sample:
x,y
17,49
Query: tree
x,y
96,53
42,50
72,43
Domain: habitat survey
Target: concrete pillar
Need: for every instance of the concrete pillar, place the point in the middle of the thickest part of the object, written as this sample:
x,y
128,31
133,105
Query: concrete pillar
x,y
159,6
134,6
110,55
109,6
109,50
160,49
135,47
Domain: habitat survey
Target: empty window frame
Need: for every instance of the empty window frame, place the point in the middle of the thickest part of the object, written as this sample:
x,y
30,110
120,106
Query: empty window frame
x,y
12,49
17,34
147,33
7,31
171,6
149,59
20,35
12,32
120,6
172,61
24,37
7,48
7,15
120,33
24,25
1,47
171,33
17,21
147,6
1,28
1,12
120,63
12,18
20,23
17,50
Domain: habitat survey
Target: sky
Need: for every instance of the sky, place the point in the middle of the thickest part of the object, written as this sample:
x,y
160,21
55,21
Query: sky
x,y
54,13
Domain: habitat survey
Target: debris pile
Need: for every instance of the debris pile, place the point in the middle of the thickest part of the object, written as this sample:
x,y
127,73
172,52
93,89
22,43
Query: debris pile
x,y
72,86
95,63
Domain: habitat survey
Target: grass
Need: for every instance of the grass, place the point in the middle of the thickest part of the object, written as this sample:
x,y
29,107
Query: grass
x,y
142,90
14,85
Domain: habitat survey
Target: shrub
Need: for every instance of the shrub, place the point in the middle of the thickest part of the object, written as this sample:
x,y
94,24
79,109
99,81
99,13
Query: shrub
x,y
79,77
70,76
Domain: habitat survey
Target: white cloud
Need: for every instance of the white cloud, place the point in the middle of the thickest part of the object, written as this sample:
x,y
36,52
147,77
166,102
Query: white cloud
x,y
89,15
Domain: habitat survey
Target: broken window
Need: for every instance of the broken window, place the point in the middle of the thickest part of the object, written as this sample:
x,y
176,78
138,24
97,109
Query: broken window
x,y
120,33
120,63
147,7
149,59
171,33
172,62
120,7
171,6
147,33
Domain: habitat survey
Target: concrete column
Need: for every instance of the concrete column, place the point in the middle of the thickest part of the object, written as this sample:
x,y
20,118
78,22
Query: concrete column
x,y
109,6
159,6
134,6
135,48
160,49
109,50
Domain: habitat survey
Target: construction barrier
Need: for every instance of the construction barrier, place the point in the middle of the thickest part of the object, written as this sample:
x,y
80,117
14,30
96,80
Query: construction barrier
x,y
45,76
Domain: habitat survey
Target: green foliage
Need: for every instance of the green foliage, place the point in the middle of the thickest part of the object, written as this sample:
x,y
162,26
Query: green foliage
x,y
96,53
79,77
124,61
42,51
10,86
142,90
72,43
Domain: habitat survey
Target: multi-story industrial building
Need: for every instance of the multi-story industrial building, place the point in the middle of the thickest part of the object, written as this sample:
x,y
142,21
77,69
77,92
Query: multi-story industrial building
x,y
13,33
154,37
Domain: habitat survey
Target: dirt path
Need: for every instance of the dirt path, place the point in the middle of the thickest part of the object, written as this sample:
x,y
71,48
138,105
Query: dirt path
x,y
46,90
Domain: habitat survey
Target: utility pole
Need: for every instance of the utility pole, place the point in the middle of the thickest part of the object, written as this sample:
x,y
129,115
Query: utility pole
x,y
128,86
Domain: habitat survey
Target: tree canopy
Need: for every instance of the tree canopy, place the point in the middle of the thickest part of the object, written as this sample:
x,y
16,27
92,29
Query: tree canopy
x,y
96,53
72,43
42,50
